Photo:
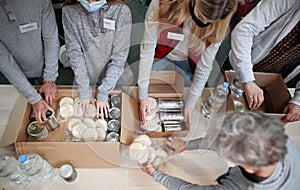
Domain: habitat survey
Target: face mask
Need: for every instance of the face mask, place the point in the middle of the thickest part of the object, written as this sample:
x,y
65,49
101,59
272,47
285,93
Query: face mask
x,y
92,7
195,19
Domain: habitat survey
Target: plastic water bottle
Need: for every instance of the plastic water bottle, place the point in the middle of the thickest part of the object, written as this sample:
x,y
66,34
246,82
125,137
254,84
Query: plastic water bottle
x,y
215,101
236,89
36,167
9,168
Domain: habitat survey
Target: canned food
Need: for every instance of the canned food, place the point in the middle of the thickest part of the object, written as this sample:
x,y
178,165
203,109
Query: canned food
x,y
239,107
169,128
68,172
113,137
170,104
171,116
114,113
115,100
37,130
113,125
51,123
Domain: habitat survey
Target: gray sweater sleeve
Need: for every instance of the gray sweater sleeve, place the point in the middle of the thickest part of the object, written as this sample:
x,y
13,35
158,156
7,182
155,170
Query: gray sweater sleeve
x,y
75,54
173,183
50,42
147,50
13,73
203,69
119,55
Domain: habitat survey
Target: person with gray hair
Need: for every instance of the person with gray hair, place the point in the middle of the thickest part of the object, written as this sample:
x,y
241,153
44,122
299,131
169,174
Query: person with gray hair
x,y
265,157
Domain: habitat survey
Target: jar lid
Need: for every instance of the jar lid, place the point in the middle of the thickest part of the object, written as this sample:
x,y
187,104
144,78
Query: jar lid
x,y
66,171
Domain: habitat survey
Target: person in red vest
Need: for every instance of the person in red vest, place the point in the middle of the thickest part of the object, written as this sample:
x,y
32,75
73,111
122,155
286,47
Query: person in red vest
x,y
182,35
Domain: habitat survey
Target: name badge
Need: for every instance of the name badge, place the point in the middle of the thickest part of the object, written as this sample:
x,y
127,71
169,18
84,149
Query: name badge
x,y
175,36
109,24
28,27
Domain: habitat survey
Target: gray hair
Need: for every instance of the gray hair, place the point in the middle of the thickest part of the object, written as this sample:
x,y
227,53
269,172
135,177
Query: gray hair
x,y
251,139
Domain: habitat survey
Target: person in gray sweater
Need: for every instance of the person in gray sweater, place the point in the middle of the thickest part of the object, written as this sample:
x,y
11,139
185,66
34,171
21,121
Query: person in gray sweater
x,y
29,50
265,157
97,35
254,42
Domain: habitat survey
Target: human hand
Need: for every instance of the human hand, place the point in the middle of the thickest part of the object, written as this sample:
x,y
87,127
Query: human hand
x,y
148,167
50,91
144,107
100,107
254,94
84,104
188,116
177,144
292,113
39,110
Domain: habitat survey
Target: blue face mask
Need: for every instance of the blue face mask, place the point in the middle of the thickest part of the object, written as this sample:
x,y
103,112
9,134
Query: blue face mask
x,y
92,7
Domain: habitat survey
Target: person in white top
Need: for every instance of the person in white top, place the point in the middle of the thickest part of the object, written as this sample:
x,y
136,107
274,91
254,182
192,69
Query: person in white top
x,y
255,37
184,32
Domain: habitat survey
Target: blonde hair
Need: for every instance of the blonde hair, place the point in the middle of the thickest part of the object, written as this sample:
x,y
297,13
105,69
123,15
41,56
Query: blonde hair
x,y
175,12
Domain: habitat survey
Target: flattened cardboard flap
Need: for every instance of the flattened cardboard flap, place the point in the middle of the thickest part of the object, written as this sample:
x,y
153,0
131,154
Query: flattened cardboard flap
x,y
165,84
16,120
130,119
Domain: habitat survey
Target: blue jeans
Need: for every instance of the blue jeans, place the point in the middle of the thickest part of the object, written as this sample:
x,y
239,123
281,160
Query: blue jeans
x,y
182,67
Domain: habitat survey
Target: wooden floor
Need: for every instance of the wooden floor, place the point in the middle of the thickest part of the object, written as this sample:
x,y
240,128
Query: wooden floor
x,y
197,166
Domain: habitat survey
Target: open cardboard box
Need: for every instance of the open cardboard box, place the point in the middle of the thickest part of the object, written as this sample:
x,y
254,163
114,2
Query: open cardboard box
x,y
163,84
79,154
276,94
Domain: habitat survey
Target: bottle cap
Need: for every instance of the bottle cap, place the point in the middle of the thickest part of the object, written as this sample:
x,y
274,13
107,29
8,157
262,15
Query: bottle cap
x,y
225,84
22,158
48,113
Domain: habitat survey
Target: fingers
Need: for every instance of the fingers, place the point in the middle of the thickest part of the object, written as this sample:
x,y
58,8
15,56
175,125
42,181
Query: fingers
x,y
40,109
50,91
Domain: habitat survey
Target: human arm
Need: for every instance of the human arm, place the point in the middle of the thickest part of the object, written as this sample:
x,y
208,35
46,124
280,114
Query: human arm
x,y
202,72
75,54
180,145
248,43
170,182
13,73
144,108
51,48
147,51
118,56
293,108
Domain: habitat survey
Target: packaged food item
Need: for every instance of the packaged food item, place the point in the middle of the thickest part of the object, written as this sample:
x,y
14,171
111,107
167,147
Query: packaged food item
x,y
114,125
67,172
113,137
37,130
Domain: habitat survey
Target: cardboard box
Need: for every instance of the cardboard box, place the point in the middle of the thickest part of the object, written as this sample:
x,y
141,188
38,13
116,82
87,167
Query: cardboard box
x,y
163,84
276,94
57,152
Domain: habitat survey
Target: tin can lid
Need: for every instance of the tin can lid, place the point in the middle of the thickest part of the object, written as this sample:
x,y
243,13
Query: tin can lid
x,y
66,171
114,113
35,128
115,100
113,137
113,125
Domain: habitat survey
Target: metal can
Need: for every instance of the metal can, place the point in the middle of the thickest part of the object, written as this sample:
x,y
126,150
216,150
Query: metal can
x,y
68,172
113,137
114,113
37,130
113,125
115,100
171,116
170,104
51,123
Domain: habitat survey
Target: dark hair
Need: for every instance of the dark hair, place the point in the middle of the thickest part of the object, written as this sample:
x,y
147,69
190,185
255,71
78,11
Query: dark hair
x,y
70,2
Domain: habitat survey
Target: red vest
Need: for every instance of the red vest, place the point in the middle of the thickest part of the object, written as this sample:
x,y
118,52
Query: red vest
x,y
165,45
